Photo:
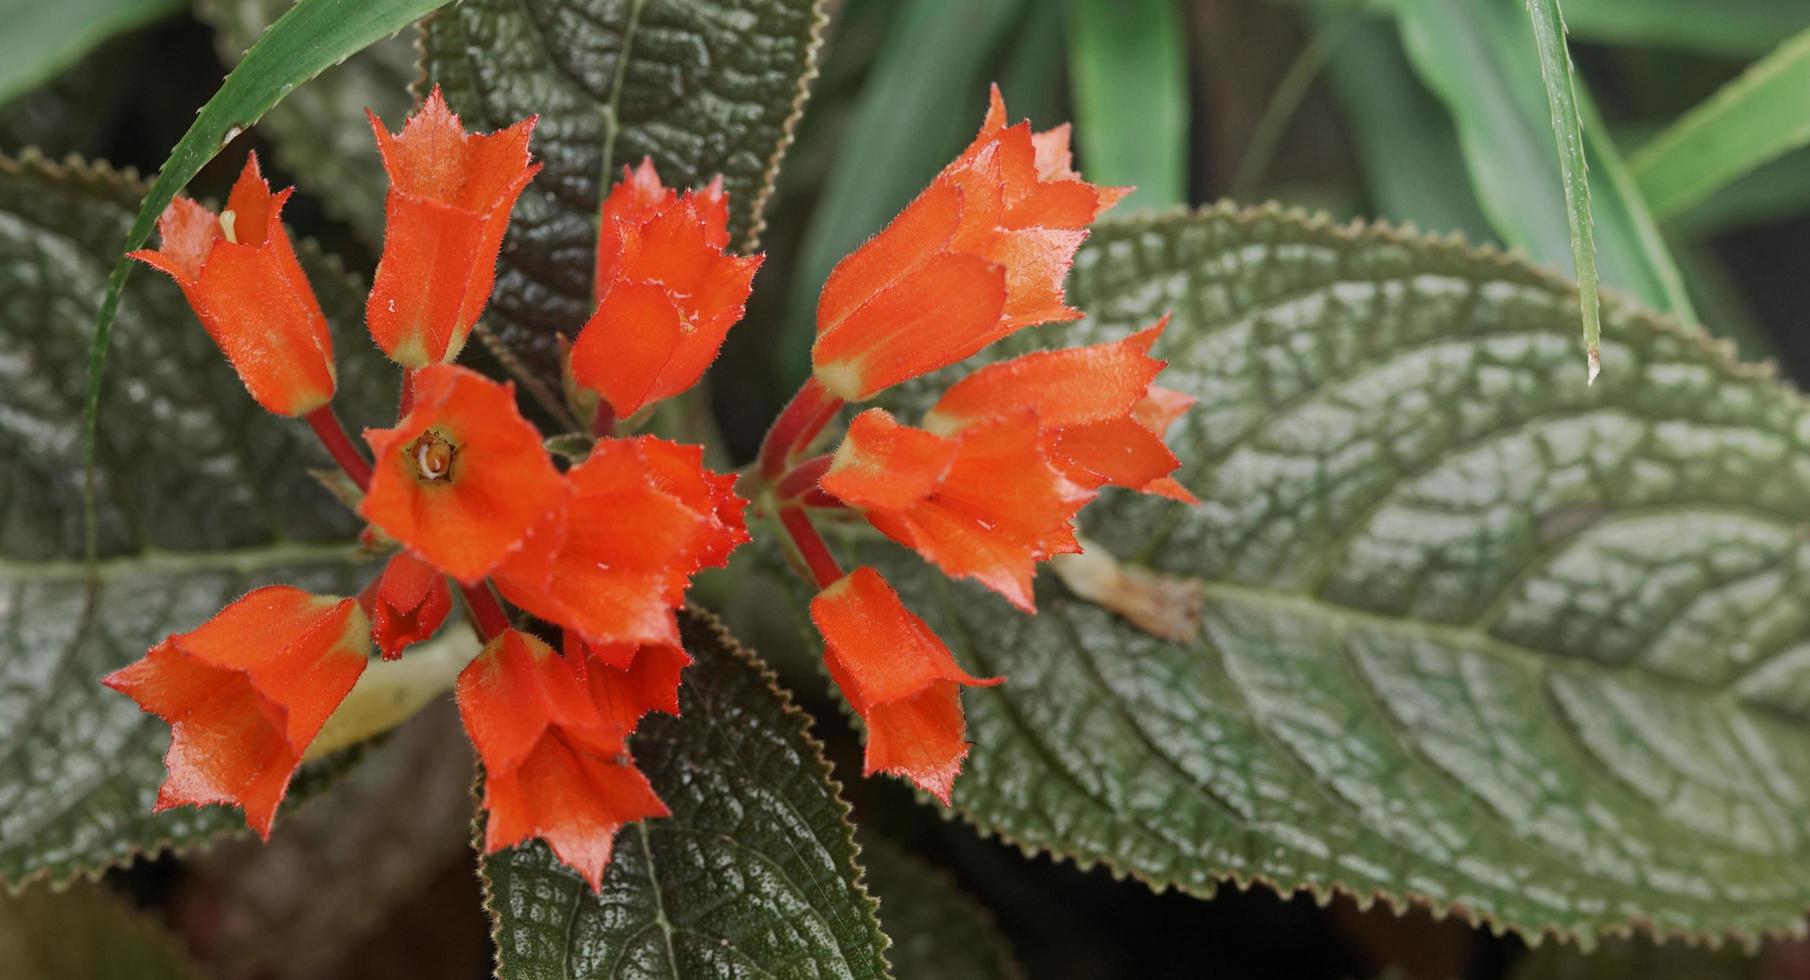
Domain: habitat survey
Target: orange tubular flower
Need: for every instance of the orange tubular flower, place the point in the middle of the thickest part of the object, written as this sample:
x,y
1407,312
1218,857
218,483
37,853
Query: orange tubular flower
x,y
245,693
981,253
555,767
240,275
628,681
985,503
1091,403
450,197
406,604
666,293
463,477
644,516
900,679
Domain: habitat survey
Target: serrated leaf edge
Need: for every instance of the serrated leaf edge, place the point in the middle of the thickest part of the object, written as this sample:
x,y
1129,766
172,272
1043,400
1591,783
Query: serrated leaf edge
x,y
790,710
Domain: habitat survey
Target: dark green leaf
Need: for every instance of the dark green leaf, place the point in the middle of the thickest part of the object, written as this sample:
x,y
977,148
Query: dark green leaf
x,y
937,930
1480,60
1574,173
84,933
701,86
1640,959
1475,634
1128,73
201,498
41,39
754,874
319,130
311,37
1750,121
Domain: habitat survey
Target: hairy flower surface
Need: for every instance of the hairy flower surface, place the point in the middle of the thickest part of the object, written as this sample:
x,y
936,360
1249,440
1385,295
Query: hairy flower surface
x,y
985,503
448,206
555,767
980,254
246,692
901,680
666,293
406,604
240,275
643,516
462,478
1087,401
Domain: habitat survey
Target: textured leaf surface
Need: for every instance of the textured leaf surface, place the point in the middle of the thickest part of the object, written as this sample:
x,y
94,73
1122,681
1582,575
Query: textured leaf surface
x,y
320,129
702,86
754,874
1474,634
202,497
937,930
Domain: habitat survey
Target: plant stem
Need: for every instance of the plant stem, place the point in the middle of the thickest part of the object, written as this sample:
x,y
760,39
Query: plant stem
x,y
333,436
799,485
487,615
811,548
798,423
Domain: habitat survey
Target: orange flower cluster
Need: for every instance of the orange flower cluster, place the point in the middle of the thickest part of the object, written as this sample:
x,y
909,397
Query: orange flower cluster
x,y
572,573
602,551
992,482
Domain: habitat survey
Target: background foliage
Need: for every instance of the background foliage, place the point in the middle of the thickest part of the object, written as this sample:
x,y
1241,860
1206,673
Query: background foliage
x,y
1482,656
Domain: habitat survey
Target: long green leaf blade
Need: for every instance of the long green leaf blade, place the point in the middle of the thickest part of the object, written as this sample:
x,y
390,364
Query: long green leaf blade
x,y
1128,75
1561,98
1754,119
312,37
1480,60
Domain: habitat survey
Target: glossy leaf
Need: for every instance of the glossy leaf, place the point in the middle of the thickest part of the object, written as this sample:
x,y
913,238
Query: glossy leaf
x,y
754,873
1473,634
1755,118
1128,75
1480,60
702,86
85,933
937,930
312,36
318,129
42,39
202,497
1574,172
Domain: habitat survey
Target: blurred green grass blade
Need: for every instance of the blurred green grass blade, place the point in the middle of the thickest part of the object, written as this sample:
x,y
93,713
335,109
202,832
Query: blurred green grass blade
x,y
43,37
1574,172
1724,27
1128,79
1479,59
312,37
1756,118
1776,191
1413,166
924,96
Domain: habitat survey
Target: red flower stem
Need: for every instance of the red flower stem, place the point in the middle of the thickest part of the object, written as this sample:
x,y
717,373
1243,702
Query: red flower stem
x,y
333,436
406,402
810,546
603,422
798,423
800,482
487,614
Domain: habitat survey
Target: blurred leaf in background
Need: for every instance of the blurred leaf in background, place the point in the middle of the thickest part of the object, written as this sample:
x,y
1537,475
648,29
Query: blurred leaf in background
x,y
1128,75
42,38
